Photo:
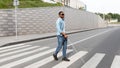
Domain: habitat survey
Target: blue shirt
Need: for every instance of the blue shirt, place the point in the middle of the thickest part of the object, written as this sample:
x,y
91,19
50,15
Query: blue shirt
x,y
60,25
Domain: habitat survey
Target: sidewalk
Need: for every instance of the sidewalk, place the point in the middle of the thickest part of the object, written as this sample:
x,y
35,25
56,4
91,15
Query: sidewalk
x,y
5,41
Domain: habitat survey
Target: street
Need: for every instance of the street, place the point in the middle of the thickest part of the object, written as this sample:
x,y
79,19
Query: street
x,y
99,48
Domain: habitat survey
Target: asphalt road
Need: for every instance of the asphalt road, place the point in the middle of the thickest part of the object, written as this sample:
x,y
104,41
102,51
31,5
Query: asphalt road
x,y
91,49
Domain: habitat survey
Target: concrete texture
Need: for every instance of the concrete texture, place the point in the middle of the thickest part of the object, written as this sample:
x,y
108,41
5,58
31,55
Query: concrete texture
x,y
42,20
11,40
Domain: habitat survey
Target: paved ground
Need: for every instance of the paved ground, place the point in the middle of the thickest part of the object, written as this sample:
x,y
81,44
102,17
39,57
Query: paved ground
x,y
95,49
11,40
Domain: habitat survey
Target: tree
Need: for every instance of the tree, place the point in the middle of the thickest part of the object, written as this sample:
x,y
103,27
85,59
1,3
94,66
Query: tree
x,y
110,16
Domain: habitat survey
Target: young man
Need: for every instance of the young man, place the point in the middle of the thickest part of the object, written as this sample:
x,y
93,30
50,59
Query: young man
x,y
61,36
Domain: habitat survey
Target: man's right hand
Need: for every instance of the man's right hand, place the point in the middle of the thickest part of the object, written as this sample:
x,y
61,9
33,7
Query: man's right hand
x,y
65,36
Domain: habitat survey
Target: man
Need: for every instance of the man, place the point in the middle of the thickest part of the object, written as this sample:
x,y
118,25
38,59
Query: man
x,y
61,36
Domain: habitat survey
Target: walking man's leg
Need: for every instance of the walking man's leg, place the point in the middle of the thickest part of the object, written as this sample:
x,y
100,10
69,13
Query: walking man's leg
x,y
60,43
64,47
64,50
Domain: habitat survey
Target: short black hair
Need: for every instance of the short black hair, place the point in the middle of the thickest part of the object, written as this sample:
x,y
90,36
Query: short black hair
x,y
60,12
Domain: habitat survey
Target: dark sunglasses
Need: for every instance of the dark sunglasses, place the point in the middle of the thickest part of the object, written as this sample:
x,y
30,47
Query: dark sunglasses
x,y
62,14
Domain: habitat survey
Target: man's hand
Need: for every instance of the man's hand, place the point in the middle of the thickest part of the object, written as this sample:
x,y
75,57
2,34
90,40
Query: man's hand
x,y
65,36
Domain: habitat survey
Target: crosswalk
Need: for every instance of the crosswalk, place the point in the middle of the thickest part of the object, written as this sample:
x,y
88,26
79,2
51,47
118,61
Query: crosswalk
x,y
94,61
116,62
20,54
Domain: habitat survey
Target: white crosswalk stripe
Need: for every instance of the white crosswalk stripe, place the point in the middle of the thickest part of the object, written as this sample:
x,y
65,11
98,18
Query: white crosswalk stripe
x,y
44,61
73,59
21,54
25,50
12,64
7,47
14,48
21,50
116,62
94,61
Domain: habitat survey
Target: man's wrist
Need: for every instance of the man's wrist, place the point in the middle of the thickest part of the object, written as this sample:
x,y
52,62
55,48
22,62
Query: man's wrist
x,y
63,33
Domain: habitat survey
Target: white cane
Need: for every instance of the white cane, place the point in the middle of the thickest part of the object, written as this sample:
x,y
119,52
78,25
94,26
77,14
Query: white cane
x,y
74,48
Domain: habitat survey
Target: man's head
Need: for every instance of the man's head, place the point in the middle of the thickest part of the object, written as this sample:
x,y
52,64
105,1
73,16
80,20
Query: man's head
x,y
61,14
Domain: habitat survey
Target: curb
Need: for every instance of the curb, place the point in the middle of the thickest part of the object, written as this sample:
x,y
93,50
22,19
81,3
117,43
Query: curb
x,y
41,38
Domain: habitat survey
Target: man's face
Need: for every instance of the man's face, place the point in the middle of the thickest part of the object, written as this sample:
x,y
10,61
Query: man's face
x,y
61,15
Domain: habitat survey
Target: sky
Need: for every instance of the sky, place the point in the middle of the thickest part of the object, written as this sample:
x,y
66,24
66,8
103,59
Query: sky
x,y
103,6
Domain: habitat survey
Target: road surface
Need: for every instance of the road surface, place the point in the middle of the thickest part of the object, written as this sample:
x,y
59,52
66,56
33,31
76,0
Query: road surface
x,y
91,49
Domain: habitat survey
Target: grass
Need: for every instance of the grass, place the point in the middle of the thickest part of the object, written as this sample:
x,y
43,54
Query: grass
x,y
7,4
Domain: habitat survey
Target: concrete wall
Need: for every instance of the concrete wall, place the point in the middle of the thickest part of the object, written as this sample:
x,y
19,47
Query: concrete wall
x,y
42,20
7,25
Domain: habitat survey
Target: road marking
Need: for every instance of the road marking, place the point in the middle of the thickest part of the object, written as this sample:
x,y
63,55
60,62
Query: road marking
x,y
94,61
14,48
44,61
13,52
9,65
89,37
116,62
21,54
11,46
12,64
72,60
